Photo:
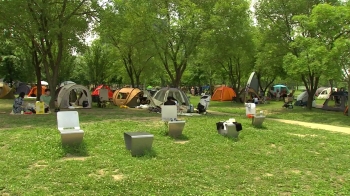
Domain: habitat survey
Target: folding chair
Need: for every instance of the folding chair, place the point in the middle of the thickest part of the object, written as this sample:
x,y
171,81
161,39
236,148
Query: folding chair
x,y
169,115
103,98
68,126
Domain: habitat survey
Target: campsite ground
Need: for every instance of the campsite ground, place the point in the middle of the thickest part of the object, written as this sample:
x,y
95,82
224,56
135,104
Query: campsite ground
x,y
277,159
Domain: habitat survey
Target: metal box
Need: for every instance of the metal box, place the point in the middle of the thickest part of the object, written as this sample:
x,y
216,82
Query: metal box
x,y
72,137
175,128
258,121
138,142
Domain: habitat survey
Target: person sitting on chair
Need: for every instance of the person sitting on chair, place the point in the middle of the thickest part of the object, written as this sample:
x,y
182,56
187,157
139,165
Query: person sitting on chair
x,y
169,101
46,98
256,100
18,104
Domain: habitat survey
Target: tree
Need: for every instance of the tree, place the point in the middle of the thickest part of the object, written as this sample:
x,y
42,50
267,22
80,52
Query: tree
x,y
122,26
276,24
51,26
97,63
229,41
14,61
176,28
314,41
341,53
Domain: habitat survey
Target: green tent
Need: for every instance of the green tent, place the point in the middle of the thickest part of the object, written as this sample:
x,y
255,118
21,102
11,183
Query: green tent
x,y
149,87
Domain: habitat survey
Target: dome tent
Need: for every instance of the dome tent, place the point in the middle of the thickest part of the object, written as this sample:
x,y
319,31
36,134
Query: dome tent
x,y
179,95
126,96
223,93
22,87
6,92
63,97
34,91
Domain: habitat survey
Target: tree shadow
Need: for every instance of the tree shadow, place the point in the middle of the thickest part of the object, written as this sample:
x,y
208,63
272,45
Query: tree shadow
x,y
148,154
262,127
79,150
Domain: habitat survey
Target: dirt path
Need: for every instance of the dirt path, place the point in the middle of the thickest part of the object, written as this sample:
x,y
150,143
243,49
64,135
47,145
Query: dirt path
x,y
315,125
305,124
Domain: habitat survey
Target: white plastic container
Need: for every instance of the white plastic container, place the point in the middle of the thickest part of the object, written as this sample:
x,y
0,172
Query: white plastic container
x,y
250,110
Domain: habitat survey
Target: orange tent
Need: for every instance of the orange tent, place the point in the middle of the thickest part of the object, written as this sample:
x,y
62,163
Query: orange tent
x,y
223,94
33,92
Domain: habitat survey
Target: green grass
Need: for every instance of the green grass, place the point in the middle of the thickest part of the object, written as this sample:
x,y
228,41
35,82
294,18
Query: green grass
x,y
277,159
275,110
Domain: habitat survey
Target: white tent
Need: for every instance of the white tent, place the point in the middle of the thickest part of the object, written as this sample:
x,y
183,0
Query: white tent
x,y
303,96
84,100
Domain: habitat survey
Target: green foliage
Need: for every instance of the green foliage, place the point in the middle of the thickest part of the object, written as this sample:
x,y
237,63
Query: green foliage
x,y
122,26
50,28
14,62
228,44
276,32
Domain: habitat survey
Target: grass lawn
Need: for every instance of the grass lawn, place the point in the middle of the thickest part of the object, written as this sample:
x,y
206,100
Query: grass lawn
x,y
277,159
275,110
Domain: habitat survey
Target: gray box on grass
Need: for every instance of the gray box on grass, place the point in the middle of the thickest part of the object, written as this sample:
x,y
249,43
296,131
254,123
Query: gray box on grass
x,y
138,142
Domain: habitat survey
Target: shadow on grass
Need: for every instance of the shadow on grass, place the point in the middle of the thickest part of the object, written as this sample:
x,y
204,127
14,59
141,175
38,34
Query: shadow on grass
x,y
79,150
182,137
149,154
262,127
233,139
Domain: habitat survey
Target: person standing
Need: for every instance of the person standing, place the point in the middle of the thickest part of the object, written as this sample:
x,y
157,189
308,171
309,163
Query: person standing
x,y
278,95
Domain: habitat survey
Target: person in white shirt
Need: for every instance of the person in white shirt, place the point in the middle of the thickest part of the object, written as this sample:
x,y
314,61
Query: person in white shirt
x,y
256,100
278,95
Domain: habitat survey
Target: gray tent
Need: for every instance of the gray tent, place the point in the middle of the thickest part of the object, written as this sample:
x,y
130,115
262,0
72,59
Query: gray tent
x,y
302,99
22,87
340,101
162,95
303,96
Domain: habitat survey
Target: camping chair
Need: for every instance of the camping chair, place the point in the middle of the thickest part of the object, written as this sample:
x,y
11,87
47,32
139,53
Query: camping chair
x,y
169,115
288,102
102,98
68,126
291,94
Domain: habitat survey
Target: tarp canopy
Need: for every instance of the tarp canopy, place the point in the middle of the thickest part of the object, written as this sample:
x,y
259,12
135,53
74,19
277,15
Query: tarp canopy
x,y
82,94
279,86
126,96
6,92
179,95
223,93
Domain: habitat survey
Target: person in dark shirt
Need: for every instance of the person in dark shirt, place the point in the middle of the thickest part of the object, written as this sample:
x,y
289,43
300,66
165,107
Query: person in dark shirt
x,y
169,101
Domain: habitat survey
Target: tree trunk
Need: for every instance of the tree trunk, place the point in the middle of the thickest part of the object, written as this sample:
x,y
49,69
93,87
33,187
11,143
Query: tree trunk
x,y
37,68
311,89
129,70
137,78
